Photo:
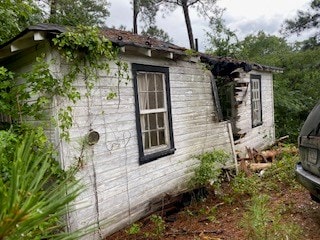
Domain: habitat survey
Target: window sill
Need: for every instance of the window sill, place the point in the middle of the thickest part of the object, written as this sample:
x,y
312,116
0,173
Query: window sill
x,y
153,156
257,125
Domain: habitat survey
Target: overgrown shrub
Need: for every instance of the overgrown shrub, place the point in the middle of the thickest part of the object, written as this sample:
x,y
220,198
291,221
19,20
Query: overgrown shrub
x,y
209,169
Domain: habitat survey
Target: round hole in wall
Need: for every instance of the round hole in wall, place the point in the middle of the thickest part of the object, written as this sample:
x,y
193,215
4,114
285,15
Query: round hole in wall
x,y
93,137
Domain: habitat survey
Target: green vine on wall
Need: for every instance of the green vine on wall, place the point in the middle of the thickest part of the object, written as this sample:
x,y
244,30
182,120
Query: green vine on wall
x,y
85,52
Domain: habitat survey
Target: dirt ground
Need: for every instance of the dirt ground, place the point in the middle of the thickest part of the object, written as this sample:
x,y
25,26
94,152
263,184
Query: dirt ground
x,y
197,222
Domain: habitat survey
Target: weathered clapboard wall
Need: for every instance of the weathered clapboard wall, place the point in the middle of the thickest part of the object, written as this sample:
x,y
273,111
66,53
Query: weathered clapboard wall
x,y
118,189
260,136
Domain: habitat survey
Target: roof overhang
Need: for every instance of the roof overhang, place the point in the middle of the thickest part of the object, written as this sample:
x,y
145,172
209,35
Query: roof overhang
x,y
142,45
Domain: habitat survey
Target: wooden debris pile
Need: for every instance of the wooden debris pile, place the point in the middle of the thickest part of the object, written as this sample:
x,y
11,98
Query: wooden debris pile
x,y
256,161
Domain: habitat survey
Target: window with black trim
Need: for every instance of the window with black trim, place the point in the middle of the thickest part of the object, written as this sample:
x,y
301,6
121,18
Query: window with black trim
x,y
153,111
256,104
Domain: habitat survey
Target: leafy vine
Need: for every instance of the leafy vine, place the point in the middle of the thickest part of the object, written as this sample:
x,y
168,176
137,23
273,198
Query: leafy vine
x,y
85,51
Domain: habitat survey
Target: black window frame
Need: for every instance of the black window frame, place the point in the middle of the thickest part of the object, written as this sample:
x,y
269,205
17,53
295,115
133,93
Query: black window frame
x,y
148,157
256,77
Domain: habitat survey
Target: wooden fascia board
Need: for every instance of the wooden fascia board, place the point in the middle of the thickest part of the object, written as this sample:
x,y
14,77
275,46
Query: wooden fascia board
x,y
149,52
27,41
5,52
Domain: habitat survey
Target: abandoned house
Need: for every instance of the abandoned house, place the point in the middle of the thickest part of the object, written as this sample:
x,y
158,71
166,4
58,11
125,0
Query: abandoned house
x,y
171,109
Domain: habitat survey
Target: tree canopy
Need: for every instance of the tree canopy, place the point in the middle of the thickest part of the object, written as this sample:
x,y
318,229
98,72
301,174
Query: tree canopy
x,y
147,10
206,8
15,15
304,21
78,12
296,89
154,31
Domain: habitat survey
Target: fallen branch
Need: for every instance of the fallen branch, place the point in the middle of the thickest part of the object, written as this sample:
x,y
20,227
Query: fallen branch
x,y
184,232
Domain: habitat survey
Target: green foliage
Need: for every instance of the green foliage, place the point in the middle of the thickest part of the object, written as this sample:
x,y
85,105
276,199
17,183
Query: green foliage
x,y
243,185
259,222
6,100
296,89
279,175
282,171
147,10
155,32
134,229
209,212
222,40
304,21
34,191
206,8
209,169
264,49
86,51
78,12
159,225
15,15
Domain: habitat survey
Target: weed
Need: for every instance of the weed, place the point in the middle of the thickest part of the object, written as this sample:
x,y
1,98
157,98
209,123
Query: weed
x,y
242,185
261,223
256,220
159,226
209,169
189,212
282,171
134,229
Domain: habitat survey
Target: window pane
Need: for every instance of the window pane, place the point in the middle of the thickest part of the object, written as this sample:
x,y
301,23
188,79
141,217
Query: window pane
x,y
151,87
160,120
152,100
256,101
143,101
152,120
142,82
144,122
159,82
162,138
146,140
154,141
160,100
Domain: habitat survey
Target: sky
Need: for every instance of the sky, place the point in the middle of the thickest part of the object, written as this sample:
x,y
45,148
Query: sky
x,y
242,16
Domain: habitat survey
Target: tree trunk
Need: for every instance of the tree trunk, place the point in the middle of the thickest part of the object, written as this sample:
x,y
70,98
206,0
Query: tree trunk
x,y
135,15
188,22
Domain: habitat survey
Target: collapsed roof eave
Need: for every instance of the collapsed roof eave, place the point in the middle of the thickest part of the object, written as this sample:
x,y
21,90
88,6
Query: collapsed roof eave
x,y
223,66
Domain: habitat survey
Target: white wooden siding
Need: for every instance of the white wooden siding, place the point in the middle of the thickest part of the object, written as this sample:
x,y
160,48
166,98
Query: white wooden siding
x,y
111,169
263,135
124,187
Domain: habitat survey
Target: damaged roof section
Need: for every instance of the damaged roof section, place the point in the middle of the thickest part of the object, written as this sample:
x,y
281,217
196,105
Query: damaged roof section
x,y
225,66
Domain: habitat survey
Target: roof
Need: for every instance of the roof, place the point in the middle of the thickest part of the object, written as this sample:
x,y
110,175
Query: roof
x,y
222,66
125,38
219,66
